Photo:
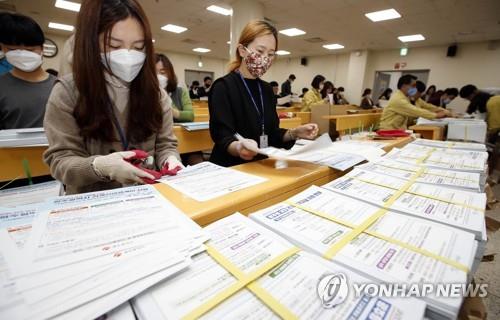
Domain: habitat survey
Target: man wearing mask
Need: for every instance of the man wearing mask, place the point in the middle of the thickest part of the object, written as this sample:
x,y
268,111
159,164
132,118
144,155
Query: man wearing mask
x,y
24,90
442,100
399,108
484,102
286,87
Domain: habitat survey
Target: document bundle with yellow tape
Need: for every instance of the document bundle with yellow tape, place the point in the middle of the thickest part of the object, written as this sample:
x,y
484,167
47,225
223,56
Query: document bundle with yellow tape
x,y
472,146
380,244
250,272
441,158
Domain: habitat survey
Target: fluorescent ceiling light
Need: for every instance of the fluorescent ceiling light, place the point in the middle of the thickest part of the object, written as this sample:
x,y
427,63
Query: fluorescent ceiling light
x,y
202,50
410,38
220,10
333,46
154,40
292,32
60,26
229,42
282,52
173,28
383,15
67,5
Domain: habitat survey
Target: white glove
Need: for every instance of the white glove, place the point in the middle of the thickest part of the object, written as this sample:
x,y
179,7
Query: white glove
x,y
247,148
114,167
173,163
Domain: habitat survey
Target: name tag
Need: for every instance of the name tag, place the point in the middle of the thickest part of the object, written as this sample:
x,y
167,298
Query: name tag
x,y
263,141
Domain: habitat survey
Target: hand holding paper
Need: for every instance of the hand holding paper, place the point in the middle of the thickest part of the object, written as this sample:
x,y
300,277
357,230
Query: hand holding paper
x,y
247,148
307,131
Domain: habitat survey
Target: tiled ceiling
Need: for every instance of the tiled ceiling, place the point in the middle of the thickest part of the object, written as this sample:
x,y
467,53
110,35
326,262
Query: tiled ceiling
x,y
442,22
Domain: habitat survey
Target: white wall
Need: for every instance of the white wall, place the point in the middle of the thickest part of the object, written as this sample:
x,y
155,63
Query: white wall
x,y
180,61
332,67
474,63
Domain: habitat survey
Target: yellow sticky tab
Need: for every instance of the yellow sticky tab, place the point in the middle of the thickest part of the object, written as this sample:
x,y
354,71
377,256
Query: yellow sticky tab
x,y
271,302
214,301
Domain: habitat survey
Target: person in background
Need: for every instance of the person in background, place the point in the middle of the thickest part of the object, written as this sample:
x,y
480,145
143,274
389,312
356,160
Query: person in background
x,y
304,90
5,66
241,103
25,89
193,91
420,103
207,85
444,98
182,108
429,93
327,89
399,109
111,104
386,95
286,87
52,72
339,96
484,102
275,86
313,96
366,100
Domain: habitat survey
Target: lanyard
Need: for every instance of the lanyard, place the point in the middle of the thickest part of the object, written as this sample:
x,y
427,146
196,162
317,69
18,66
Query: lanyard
x,y
259,112
123,136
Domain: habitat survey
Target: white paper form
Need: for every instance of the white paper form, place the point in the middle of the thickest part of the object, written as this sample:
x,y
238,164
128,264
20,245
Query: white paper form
x,y
29,194
15,225
206,181
461,160
103,232
243,242
469,181
321,151
451,144
461,209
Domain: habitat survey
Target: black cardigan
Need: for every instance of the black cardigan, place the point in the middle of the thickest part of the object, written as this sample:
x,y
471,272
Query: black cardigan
x,y
232,111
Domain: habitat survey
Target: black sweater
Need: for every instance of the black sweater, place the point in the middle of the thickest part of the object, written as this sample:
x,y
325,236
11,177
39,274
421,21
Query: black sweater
x,y
232,111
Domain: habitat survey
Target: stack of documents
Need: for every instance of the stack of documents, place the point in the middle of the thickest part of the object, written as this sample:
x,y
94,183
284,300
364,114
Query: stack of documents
x,y
79,256
206,181
30,194
22,137
469,181
452,159
457,208
472,146
384,246
250,272
195,126
467,130
323,151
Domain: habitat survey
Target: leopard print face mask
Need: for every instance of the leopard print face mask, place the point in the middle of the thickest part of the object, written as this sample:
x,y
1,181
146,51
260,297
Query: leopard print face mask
x,y
257,64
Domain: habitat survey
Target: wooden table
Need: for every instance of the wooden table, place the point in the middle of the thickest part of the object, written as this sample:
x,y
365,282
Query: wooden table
x,y
12,158
346,122
305,117
191,141
429,132
290,123
396,143
281,184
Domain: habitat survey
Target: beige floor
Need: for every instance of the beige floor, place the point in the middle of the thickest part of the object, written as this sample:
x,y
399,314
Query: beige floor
x,y
489,272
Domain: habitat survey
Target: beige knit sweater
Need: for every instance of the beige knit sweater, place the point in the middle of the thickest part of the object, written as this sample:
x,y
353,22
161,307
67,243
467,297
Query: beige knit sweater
x,y
69,155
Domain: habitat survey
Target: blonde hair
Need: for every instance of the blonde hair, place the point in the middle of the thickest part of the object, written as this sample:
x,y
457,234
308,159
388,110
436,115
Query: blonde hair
x,y
252,30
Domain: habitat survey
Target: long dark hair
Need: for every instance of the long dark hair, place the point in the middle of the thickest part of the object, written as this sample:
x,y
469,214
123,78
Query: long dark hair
x,y
94,106
169,68
327,85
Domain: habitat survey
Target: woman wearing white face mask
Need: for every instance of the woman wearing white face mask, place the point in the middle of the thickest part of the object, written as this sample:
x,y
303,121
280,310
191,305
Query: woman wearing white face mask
x,y
241,103
181,103
25,89
111,104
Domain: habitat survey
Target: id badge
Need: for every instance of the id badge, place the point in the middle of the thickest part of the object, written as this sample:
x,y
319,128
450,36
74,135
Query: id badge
x,y
263,141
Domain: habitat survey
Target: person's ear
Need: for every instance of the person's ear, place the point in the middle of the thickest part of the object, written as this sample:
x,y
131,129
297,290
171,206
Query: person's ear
x,y
241,51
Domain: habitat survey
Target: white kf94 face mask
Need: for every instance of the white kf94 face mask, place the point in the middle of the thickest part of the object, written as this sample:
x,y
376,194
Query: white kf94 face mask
x,y
123,63
162,80
24,60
